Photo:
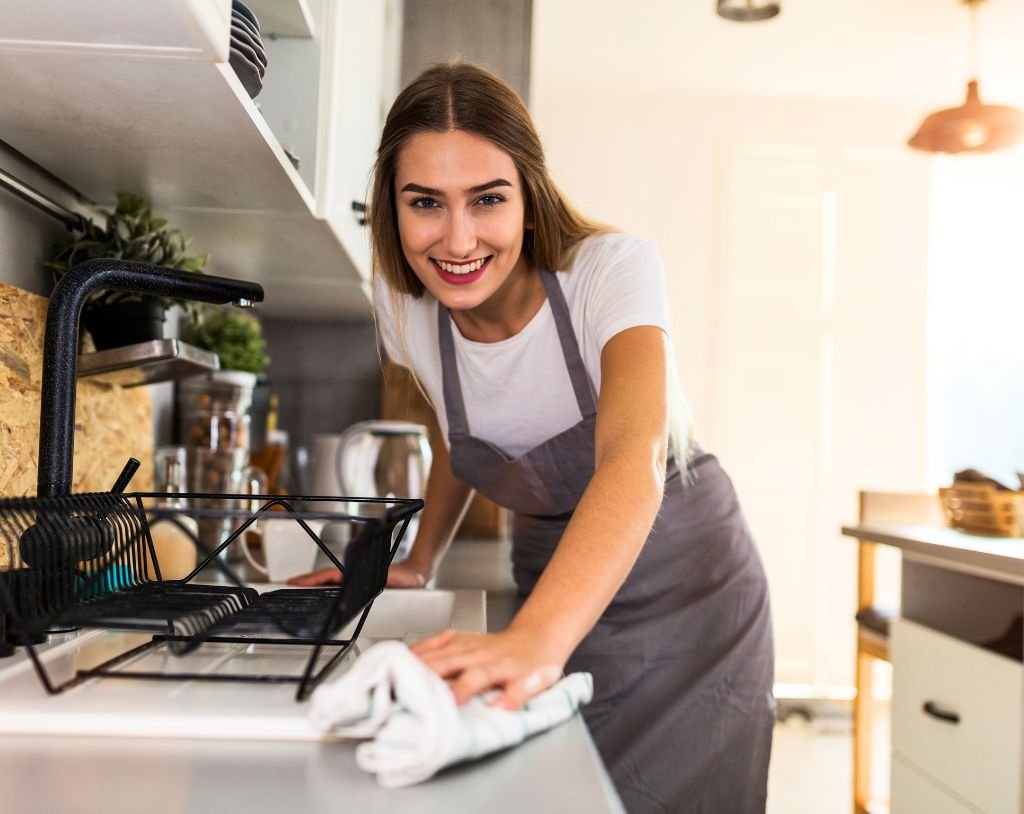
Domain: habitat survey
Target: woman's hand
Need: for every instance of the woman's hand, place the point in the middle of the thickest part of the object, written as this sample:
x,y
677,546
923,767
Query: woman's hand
x,y
511,662
314,579
405,575
400,575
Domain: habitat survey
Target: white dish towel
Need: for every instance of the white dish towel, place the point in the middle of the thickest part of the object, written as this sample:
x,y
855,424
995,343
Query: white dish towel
x,y
391,696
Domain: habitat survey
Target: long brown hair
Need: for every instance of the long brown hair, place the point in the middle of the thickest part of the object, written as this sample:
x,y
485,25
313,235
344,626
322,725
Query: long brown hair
x,y
461,96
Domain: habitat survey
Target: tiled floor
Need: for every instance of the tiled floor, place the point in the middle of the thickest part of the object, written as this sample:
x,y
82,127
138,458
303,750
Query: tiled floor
x,y
811,768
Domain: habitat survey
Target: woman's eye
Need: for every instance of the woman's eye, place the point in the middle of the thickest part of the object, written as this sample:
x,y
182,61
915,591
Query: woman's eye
x,y
491,200
423,203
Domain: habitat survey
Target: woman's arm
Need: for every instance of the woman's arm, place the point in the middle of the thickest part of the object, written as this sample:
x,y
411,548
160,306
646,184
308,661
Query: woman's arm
x,y
600,543
445,504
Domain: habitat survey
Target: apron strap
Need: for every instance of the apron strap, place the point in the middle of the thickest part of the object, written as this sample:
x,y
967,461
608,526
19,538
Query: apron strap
x,y
455,408
570,347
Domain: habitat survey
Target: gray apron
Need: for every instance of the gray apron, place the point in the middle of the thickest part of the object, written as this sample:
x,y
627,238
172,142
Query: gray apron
x,y
682,658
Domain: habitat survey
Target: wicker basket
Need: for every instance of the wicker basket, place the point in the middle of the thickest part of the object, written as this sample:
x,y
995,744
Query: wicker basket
x,y
981,507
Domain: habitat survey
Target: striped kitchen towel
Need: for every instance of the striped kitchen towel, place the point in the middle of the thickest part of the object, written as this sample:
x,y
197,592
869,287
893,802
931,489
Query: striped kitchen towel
x,y
416,728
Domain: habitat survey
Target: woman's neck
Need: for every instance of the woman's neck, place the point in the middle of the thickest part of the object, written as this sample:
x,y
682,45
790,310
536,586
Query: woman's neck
x,y
507,311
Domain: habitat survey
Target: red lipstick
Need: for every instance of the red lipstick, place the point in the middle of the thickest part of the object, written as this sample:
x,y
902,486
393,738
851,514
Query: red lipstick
x,y
461,279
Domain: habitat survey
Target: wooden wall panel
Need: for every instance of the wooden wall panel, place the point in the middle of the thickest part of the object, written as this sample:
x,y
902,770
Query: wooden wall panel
x,y
111,423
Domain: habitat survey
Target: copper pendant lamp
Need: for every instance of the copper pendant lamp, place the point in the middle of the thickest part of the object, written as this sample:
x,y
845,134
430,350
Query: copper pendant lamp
x,y
747,11
974,127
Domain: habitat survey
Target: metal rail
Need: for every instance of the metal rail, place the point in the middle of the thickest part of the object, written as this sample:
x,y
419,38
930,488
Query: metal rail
x,y
27,193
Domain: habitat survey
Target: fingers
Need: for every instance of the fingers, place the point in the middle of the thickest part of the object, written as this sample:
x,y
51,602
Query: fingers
x,y
404,576
517,687
452,665
325,576
522,690
513,698
434,643
472,682
473,663
451,653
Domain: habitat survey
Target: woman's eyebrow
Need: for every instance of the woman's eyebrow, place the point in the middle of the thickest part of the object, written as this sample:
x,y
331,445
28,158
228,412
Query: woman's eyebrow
x,y
422,190
497,182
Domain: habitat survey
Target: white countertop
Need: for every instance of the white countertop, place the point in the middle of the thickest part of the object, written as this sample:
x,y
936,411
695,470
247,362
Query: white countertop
x,y
217,709
1000,558
554,773
557,771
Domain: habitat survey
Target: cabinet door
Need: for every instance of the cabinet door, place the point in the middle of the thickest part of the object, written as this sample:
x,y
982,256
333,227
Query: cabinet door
x,y
359,80
912,793
956,713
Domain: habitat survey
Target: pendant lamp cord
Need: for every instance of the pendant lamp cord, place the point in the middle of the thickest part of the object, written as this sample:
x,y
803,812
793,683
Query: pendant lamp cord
x,y
972,45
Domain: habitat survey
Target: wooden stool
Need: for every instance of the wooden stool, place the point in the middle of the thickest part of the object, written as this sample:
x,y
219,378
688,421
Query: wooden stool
x,y
873,622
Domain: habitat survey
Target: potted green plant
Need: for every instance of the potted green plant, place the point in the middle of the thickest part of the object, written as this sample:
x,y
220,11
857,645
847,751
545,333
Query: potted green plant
x,y
215,408
236,338
131,232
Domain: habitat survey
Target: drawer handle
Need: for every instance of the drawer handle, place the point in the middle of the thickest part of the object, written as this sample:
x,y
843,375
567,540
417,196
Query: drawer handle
x,y
933,709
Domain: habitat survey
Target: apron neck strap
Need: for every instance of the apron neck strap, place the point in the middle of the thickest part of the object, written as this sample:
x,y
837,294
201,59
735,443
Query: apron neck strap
x,y
570,347
455,407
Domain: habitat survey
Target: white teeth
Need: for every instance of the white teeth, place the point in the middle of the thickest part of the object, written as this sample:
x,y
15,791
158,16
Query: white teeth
x,y
464,268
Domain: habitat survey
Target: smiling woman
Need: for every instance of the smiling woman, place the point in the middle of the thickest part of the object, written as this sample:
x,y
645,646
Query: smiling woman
x,y
457,231
541,340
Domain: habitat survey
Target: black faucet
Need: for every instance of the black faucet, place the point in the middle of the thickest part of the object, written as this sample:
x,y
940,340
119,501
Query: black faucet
x,y
60,350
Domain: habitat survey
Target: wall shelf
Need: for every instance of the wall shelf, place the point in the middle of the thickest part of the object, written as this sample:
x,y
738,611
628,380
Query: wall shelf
x,y
143,363
283,18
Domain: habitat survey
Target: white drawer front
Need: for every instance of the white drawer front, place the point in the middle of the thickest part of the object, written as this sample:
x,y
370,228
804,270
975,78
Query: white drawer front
x,y
979,755
913,793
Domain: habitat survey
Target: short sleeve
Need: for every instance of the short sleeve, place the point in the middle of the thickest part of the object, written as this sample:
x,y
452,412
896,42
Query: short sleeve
x,y
625,286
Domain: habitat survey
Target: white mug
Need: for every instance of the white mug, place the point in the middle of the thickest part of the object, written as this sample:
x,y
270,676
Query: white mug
x,y
287,547
324,481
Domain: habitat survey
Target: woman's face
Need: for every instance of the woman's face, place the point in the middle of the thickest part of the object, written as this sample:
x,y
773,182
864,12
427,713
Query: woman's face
x,y
460,216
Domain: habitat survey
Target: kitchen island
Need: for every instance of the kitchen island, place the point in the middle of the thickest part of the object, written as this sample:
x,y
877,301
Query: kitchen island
x,y
556,771
1000,558
958,670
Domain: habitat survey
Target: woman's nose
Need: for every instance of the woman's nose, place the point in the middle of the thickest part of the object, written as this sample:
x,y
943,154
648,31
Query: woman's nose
x,y
460,238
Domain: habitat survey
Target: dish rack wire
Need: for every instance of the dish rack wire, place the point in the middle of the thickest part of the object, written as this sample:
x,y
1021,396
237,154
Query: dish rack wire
x,y
88,561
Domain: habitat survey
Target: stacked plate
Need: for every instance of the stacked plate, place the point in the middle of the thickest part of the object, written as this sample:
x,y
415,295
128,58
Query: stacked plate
x,y
248,58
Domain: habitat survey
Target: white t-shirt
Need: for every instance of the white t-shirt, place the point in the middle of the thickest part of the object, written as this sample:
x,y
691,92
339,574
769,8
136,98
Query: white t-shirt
x,y
517,392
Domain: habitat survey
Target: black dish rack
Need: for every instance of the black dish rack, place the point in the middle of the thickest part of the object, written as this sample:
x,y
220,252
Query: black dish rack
x,y
88,561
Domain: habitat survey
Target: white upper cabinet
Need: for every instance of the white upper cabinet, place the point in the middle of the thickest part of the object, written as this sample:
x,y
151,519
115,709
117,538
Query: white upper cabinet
x,y
179,29
121,95
361,30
